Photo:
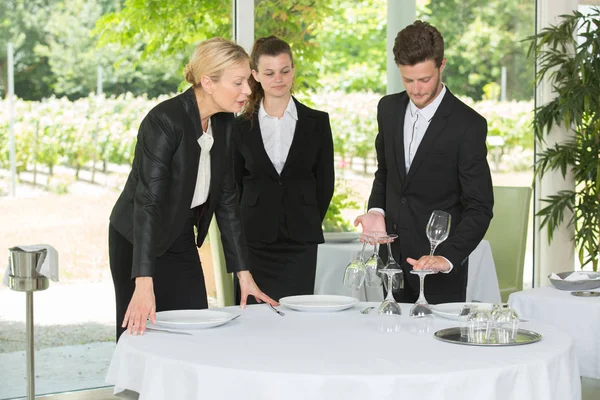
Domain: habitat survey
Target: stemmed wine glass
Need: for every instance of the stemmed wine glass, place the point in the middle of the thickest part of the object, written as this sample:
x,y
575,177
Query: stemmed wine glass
x,y
374,264
392,268
438,229
355,273
421,307
398,279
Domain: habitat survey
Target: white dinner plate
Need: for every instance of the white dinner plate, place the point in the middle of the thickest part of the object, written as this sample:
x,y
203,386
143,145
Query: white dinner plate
x,y
193,319
318,302
341,237
451,310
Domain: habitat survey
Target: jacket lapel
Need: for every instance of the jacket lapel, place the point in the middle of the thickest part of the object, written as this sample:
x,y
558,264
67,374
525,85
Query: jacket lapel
x,y
398,133
218,159
436,126
304,126
257,147
191,108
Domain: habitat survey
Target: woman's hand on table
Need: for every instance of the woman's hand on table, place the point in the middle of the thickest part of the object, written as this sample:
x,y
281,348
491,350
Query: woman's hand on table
x,y
248,287
141,307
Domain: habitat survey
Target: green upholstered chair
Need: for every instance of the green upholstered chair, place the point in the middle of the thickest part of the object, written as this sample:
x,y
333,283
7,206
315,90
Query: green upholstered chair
x,y
507,235
223,280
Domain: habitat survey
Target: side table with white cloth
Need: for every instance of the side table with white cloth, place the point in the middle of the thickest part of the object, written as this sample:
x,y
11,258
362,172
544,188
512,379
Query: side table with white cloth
x,y
339,355
579,317
332,259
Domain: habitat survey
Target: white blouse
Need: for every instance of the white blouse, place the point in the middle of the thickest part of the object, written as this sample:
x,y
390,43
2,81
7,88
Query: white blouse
x,y
205,141
278,133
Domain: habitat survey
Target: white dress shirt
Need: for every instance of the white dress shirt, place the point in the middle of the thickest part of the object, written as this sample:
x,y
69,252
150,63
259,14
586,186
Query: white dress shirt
x,y
416,122
278,133
205,141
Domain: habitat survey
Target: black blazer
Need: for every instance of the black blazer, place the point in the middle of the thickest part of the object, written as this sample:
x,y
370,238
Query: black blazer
x,y
303,191
449,172
155,203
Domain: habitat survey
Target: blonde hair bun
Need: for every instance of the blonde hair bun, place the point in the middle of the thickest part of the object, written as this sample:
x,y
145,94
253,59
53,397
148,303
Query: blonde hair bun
x,y
211,57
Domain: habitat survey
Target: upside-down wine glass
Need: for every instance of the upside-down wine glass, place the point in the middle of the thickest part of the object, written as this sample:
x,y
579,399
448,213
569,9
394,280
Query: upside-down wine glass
x,y
421,307
355,273
438,229
389,305
374,264
398,279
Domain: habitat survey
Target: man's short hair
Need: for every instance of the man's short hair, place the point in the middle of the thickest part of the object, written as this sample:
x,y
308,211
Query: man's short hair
x,y
417,43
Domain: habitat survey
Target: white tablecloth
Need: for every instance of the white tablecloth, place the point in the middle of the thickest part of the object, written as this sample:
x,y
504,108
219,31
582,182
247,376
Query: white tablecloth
x,y
341,355
332,259
579,317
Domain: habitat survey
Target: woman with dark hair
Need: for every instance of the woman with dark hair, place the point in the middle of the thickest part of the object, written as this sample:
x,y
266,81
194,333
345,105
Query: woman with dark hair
x,y
181,175
285,174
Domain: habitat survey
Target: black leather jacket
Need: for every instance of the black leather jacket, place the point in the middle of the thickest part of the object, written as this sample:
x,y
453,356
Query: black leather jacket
x,y
155,203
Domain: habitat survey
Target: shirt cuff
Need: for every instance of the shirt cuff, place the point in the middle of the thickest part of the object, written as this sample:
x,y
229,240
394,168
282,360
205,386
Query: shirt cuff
x,y
451,266
378,210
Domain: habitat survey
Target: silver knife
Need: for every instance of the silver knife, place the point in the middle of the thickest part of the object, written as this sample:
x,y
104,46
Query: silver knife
x,y
167,331
276,310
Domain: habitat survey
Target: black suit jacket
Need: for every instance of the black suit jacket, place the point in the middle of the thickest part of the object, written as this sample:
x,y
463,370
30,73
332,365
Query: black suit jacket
x,y
449,172
155,203
303,191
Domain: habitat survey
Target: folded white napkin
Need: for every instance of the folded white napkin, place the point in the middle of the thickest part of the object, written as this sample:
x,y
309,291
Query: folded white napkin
x,y
575,276
47,266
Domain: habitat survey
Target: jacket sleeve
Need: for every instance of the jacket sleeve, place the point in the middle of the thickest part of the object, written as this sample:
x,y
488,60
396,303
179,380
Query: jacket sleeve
x,y
238,159
155,146
228,212
477,195
324,170
378,191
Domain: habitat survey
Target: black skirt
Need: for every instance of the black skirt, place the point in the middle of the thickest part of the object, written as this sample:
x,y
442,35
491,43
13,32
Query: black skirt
x,y
281,268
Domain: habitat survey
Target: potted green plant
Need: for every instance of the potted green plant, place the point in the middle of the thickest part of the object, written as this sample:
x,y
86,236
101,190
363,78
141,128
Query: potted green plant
x,y
568,55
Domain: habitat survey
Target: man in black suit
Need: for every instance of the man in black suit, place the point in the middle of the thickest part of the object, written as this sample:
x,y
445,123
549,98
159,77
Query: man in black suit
x,y
431,155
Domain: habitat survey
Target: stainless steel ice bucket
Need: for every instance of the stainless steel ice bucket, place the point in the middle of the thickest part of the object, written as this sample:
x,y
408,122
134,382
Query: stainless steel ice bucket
x,y
23,276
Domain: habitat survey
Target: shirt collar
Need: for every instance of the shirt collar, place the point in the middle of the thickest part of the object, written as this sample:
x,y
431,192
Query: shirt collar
x,y
290,109
429,110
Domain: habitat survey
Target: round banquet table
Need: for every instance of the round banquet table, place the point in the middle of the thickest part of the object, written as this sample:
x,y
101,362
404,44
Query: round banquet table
x,y
340,355
579,317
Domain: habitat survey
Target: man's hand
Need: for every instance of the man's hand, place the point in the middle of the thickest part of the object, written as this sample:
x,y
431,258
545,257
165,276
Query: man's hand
x,y
433,263
248,287
141,306
373,221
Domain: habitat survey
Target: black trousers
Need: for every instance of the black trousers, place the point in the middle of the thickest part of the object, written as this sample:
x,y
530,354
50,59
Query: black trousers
x,y
178,278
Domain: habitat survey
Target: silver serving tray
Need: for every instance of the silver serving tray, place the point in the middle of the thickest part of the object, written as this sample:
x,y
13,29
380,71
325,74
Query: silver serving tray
x,y
576,285
452,335
586,294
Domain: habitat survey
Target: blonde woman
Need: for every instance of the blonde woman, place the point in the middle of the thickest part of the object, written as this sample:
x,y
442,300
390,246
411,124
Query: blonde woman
x,y
180,177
